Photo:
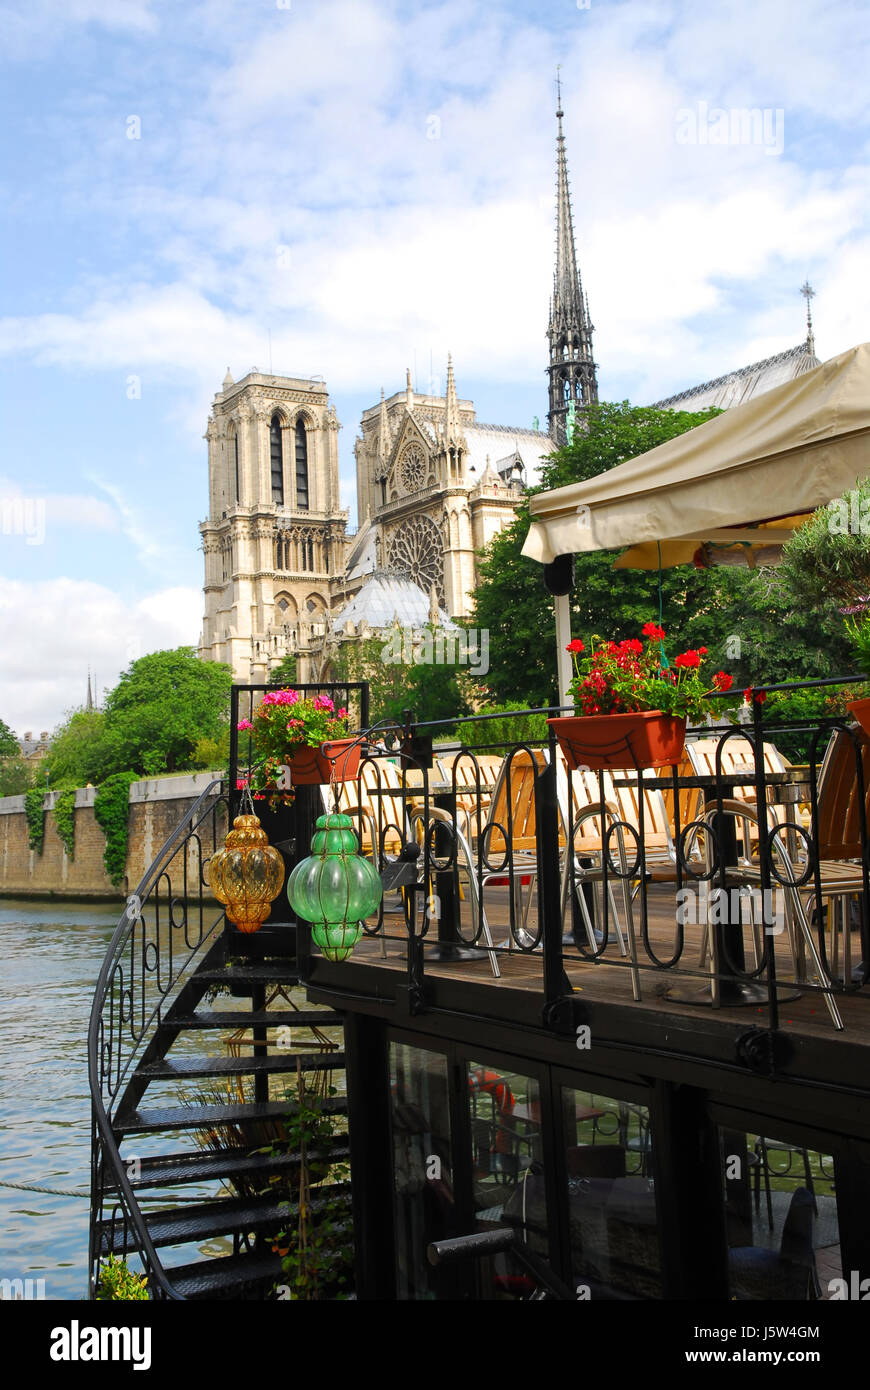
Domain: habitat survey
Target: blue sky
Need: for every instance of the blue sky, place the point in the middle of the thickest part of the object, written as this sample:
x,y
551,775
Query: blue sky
x,y
371,184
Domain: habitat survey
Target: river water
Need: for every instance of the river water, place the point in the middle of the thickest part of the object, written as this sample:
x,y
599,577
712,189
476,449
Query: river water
x,y
51,956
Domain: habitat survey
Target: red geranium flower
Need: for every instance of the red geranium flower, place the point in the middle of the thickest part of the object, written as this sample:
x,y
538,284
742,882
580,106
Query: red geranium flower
x,y
760,696
688,659
575,646
723,681
654,632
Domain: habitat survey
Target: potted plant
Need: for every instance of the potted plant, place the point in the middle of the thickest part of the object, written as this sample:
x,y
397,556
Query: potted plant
x,y
634,702
858,630
298,741
828,560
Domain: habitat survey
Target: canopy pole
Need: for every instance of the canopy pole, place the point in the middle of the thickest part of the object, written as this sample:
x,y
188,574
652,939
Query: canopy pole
x,y
564,665
558,577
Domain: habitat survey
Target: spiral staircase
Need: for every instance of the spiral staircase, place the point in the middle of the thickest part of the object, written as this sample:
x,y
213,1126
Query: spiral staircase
x,y
194,1172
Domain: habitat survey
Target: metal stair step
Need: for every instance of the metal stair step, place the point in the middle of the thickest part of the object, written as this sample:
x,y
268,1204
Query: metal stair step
x,y
284,1060
179,1225
284,1018
230,1273
203,1116
175,1169
279,973
212,1278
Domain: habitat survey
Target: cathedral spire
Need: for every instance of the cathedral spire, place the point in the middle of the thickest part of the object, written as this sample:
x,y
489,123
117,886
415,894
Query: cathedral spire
x,y
383,430
572,369
809,294
89,703
409,390
452,422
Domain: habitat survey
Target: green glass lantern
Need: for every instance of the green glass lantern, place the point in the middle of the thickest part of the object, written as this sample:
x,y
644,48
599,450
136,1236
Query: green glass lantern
x,y
334,888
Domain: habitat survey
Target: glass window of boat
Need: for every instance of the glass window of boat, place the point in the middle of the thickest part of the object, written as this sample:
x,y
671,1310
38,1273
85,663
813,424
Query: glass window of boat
x,y
614,1237
781,1217
422,1166
507,1172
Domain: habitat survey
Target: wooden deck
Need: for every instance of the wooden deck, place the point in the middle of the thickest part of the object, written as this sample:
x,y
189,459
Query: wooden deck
x,y
609,980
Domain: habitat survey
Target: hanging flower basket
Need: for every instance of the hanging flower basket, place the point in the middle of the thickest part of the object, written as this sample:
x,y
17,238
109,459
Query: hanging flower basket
x,y
635,702
860,710
645,738
309,765
289,731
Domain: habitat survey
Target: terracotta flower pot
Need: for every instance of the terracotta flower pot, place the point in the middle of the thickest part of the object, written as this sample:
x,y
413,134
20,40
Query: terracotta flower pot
x,y
860,710
309,765
647,738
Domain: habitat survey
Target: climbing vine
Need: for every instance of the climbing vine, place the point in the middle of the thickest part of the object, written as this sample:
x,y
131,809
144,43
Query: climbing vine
x,y
65,816
33,803
112,814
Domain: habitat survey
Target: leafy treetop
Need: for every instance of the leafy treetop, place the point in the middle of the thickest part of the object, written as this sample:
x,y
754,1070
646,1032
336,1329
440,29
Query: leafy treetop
x,y
752,624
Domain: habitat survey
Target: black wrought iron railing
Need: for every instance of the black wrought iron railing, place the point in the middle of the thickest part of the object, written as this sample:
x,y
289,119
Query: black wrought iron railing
x,y
159,940
735,878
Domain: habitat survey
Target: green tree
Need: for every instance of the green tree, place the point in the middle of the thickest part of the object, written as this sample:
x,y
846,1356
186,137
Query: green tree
x,y
16,775
8,742
16,772
285,671
79,753
162,705
433,690
750,621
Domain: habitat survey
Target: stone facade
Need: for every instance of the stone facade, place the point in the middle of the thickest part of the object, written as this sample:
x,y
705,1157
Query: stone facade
x,y
275,534
433,486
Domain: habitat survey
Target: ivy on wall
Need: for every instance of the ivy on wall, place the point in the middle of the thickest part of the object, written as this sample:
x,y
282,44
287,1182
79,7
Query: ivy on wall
x,y
65,816
112,814
33,802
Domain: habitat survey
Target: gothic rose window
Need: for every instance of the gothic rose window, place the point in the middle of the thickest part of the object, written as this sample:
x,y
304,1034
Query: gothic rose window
x,y
415,547
412,468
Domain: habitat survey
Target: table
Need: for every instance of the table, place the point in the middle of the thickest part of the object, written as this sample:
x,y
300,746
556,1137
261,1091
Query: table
x,y
728,935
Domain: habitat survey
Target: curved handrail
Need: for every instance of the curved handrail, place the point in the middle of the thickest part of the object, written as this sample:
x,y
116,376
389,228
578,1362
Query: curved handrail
x,y
106,1072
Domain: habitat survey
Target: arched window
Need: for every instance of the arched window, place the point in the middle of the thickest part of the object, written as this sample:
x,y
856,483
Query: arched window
x,y
236,459
276,452
301,467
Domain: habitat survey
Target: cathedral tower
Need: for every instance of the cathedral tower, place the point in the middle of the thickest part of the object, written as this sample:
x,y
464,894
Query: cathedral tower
x,y
275,535
572,369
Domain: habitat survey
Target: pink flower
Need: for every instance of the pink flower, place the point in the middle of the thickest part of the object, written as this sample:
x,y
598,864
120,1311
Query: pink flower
x,y
245,724
323,702
342,713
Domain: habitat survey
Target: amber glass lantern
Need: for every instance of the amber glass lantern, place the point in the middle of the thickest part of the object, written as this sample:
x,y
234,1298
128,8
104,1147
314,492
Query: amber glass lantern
x,y
247,874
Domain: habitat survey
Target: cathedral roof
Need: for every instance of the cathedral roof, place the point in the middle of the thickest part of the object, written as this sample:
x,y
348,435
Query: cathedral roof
x,y
388,596
362,558
737,387
501,443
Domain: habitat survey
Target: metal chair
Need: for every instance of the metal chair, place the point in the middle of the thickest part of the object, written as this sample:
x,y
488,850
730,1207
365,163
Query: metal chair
x,y
746,873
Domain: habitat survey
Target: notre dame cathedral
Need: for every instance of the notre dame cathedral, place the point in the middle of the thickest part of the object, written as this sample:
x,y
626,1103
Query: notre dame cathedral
x,y
283,574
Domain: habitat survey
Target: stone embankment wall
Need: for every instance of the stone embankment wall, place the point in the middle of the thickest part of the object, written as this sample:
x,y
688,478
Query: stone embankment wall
x,y
157,805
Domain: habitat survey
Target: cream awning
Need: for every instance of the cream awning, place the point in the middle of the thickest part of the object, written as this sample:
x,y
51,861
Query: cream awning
x,y
780,456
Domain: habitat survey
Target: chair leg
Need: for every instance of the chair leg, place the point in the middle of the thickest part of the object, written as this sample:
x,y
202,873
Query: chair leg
x,y
761,1152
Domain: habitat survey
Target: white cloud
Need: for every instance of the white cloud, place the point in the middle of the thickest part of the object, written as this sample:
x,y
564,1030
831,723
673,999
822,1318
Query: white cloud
x,y
35,516
33,26
52,631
